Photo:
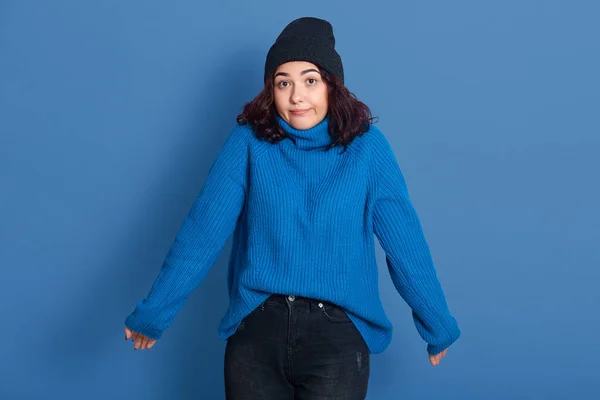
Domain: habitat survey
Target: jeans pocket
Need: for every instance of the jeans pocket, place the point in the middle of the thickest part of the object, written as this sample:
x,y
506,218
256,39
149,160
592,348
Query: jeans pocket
x,y
333,312
245,320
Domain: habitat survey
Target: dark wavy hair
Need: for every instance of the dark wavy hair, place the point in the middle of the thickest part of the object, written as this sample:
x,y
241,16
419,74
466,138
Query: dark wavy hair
x,y
348,116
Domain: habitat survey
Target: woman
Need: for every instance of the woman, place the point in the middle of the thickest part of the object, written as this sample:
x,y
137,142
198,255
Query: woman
x,y
304,313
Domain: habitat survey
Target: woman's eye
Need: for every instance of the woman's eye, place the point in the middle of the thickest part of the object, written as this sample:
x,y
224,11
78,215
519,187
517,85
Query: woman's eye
x,y
313,81
281,84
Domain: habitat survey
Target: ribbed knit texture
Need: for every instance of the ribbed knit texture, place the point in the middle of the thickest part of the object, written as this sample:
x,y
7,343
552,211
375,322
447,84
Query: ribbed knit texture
x,y
303,222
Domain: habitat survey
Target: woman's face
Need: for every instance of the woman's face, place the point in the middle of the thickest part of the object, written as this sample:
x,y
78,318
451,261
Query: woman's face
x,y
300,94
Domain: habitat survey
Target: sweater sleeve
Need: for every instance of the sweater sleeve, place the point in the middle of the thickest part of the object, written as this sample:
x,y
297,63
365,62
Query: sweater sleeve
x,y
408,257
200,240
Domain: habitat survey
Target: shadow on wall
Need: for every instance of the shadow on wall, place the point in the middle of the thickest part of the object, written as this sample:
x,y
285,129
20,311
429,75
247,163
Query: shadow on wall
x,y
189,360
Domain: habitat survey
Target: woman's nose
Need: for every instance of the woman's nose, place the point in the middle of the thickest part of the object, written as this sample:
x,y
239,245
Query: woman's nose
x,y
297,96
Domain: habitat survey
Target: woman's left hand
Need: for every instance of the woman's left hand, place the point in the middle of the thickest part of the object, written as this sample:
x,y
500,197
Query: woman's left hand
x,y
435,359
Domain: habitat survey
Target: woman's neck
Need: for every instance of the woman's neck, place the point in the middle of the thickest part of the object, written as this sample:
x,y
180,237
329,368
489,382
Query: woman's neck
x,y
316,137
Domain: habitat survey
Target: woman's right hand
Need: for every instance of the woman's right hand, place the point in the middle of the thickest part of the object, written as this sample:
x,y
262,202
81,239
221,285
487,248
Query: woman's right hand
x,y
141,341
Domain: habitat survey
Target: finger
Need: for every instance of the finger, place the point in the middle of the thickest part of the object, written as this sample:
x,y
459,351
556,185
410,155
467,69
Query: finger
x,y
138,342
134,336
441,355
127,333
144,342
151,343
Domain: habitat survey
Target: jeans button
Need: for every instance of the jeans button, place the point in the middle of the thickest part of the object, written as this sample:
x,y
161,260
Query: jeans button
x,y
291,298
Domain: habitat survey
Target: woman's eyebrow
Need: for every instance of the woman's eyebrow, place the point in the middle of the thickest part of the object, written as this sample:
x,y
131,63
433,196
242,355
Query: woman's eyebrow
x,y
306,71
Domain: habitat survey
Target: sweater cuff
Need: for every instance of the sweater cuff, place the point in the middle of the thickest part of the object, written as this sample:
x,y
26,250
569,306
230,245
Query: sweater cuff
x,y
434,349
135,324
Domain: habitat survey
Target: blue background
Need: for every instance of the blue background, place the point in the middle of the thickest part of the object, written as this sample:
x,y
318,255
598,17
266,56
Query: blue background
x,y
112,112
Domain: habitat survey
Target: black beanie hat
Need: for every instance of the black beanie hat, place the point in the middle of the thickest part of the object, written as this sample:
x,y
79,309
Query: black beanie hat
x,y
305,39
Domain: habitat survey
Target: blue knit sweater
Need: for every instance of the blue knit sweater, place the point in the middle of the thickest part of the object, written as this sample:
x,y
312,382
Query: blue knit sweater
x,y
303,222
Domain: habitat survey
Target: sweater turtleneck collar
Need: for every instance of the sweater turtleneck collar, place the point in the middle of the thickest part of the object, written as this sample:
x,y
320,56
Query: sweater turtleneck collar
x,y
316,137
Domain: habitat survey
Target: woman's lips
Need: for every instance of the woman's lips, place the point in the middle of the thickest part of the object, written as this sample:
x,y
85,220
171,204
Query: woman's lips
x,y
299,112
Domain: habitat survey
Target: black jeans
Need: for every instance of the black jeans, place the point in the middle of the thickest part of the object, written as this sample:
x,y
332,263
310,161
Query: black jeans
x,y
293,347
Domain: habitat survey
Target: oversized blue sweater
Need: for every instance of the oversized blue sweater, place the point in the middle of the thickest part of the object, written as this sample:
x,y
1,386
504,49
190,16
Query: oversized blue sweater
x,y
303,222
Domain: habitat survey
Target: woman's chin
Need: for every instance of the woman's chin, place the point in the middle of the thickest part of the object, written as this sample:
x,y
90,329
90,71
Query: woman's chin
x,y
302,122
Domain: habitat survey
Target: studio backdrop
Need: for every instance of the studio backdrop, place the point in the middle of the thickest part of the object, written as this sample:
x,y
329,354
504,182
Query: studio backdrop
x,y
112,112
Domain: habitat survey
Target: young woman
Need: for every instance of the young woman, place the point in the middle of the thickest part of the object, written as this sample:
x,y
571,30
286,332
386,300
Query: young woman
x,y
304,182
